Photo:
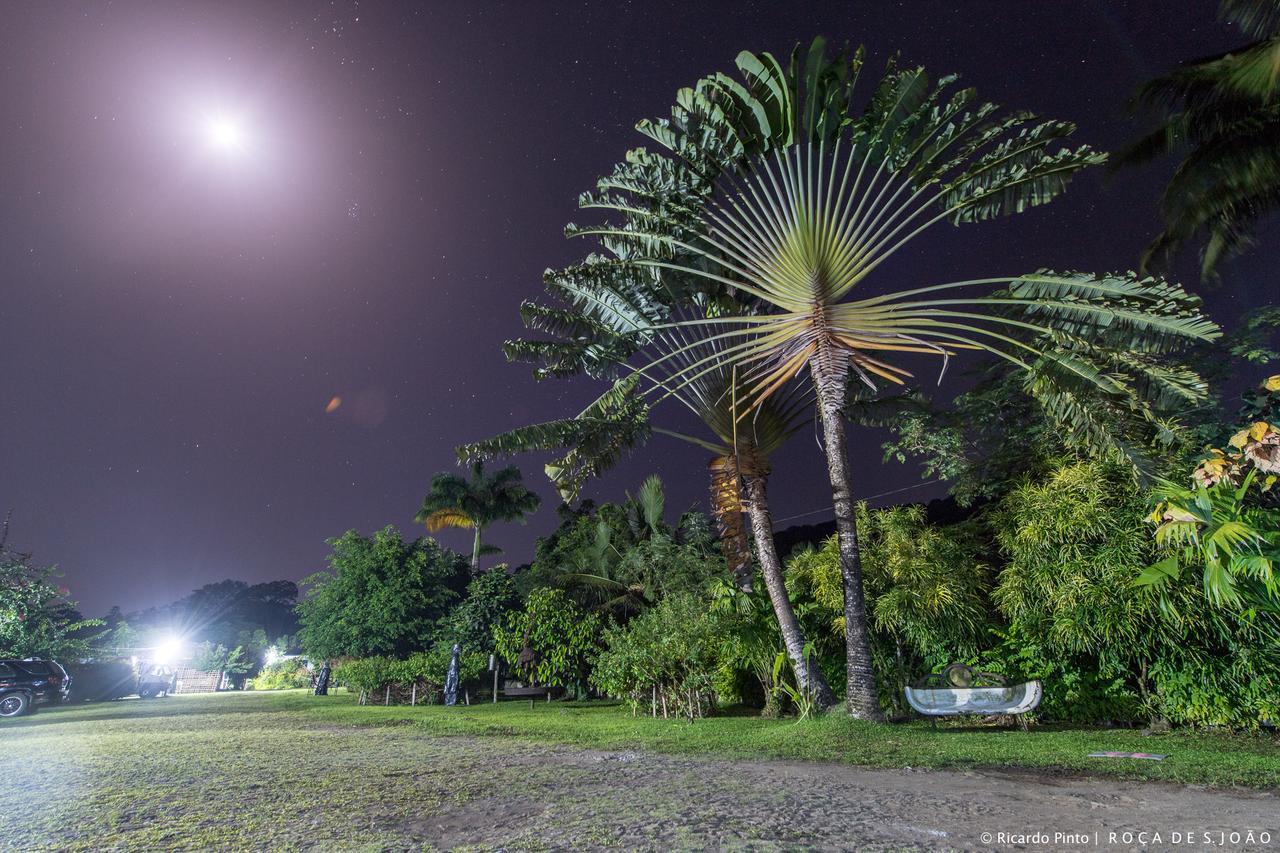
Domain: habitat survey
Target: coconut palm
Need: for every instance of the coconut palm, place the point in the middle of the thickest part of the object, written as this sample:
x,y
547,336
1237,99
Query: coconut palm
x,y
1221,116
784,190
475,502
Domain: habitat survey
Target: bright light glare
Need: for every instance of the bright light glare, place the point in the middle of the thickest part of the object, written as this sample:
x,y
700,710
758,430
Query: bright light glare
x,y
169,650
226,133
273,655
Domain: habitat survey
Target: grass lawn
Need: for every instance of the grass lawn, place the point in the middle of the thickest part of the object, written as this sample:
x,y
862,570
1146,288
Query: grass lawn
x,y
257,769
1210,759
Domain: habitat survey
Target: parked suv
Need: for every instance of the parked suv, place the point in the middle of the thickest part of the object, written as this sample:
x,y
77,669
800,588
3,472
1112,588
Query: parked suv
x,y
25,684
156,680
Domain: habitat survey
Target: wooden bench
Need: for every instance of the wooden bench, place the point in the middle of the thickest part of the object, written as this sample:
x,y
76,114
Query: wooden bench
x,y
526,692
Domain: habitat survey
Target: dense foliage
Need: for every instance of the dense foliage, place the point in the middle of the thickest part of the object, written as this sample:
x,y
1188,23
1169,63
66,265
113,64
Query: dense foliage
x,y
551,641
925,595
1064,606
667,657
285,674
36,619
381,595
490,597
1226,522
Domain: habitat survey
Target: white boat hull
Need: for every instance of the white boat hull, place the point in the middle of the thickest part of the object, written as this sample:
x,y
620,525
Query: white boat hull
x,y
946,701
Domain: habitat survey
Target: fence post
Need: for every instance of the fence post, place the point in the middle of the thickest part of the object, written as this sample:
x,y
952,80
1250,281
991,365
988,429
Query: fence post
x,y
413,696
387,700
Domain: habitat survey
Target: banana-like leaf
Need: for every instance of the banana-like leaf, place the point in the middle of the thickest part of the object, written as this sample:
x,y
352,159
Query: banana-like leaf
x,y
594,441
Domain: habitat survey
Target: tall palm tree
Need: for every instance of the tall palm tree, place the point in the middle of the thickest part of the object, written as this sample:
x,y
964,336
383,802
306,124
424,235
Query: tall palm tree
x,y
1220,116
611,320
476,502
784,190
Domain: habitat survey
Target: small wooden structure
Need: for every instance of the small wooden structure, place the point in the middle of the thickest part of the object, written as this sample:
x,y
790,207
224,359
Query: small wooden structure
x,y
189,680
959,690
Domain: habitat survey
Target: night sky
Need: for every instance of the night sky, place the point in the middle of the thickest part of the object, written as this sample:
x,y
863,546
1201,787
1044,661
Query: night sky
x,y
176,316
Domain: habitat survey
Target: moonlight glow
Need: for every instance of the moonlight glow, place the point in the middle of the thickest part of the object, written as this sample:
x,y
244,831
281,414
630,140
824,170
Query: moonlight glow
x,y
226,134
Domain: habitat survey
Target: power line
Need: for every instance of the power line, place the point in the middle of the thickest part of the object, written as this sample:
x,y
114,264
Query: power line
x,y
778,521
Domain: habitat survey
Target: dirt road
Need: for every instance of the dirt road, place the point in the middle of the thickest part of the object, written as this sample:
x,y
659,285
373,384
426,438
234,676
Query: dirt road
x,y
245,772
577,798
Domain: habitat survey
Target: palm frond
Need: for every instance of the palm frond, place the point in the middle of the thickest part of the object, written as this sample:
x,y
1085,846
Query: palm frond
x,y
443,518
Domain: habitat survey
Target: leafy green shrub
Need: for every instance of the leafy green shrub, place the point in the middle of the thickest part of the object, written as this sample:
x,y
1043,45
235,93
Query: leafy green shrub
x,y
1078,688
491,597
419,677
1106,647
36,618
282,675
925,596
667,657
381,595
750,642
562,636
1237,690
368,674
432,666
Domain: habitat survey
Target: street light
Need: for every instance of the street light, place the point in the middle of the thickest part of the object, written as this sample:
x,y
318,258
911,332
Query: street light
x,y
169,650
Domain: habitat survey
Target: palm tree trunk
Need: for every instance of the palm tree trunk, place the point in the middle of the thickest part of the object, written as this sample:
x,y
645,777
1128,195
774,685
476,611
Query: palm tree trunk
x,y
807,671
830,372
475,552
726,506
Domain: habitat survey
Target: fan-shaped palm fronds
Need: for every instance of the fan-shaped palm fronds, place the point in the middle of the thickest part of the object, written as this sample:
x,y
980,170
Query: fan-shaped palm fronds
x,y
476,502
788,192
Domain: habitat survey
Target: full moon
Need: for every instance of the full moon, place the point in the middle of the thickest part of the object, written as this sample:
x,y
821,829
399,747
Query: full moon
x,y
226,134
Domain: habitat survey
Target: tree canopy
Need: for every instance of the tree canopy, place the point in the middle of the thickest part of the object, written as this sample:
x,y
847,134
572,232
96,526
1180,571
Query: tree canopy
x,y
476,501
380,596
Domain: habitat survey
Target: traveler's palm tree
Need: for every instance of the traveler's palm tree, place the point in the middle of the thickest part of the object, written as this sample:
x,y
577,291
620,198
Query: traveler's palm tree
x,y
1221,117
476,502
782,189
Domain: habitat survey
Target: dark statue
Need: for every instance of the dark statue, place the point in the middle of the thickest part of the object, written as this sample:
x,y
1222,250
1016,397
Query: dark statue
x,y
322,680
451,680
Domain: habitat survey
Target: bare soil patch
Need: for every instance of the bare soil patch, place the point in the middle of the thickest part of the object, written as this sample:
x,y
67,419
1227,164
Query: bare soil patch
x,y
583,798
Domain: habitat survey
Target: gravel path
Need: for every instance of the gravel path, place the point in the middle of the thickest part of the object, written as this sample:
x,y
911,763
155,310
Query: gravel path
x,y
582,799
238,773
